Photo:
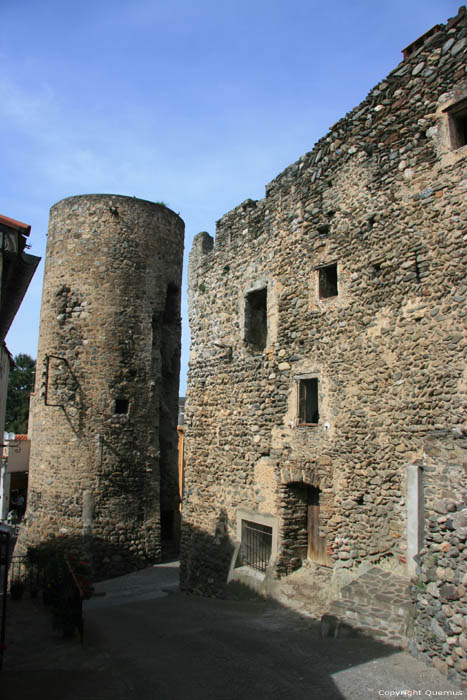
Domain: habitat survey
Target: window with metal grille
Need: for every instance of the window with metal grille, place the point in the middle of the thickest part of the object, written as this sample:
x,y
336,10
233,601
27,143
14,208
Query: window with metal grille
x,y
256,545
308,412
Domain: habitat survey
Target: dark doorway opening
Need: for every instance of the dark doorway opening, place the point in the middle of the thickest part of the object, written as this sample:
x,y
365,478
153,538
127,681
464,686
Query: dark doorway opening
x,y
301,538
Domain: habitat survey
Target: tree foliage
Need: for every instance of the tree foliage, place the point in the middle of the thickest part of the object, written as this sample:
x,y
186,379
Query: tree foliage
x,y
20,385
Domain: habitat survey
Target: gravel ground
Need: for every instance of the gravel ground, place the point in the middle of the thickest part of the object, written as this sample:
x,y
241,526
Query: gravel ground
x,y
142,643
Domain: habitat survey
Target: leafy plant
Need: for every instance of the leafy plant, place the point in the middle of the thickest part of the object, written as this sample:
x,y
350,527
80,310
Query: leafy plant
x,y
20,385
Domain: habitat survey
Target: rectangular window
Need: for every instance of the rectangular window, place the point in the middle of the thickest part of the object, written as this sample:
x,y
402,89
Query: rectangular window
x,y
308,413
256,322
328,281
458,125
256,545
121,406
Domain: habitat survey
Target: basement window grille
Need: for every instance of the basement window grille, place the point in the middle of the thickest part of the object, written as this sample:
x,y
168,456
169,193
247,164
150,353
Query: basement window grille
x,y
256,546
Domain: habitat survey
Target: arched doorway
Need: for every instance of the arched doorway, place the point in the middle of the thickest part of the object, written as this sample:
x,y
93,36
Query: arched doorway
x,y
301,538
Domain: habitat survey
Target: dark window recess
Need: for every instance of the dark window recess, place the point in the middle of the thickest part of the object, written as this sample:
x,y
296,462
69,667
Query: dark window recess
x,y
256,546
308,411
458,125
417,271
256,323
376,269
171,312
121,405
328,281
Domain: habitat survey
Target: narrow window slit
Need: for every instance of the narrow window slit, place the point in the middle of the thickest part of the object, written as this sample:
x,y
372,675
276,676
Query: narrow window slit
x,y
308,410
328,281
256,326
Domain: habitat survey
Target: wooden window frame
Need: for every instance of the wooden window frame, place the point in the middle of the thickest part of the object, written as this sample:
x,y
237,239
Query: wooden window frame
x,y
303,382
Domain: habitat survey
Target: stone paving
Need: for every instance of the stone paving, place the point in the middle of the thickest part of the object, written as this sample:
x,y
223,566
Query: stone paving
x,y
143,643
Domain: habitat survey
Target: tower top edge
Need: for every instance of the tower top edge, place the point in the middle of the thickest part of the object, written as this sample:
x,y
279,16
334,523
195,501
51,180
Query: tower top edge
x,y
114,198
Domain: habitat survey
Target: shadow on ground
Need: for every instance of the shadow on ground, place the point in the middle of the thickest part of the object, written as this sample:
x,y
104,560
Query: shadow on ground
x,y
143,641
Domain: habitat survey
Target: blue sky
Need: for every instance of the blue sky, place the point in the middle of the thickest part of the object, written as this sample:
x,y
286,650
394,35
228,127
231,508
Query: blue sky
x,y
199,105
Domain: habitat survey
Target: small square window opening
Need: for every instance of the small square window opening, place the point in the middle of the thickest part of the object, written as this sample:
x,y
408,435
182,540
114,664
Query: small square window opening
x,y
328,281
308,413
121,406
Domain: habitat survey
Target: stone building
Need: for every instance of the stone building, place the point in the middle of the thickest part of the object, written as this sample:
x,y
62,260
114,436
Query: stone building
x,y
328,332
14,474
16,272
104,415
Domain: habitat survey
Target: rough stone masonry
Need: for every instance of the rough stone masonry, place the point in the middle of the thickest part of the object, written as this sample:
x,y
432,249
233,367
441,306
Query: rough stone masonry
x,y
103,465
328,341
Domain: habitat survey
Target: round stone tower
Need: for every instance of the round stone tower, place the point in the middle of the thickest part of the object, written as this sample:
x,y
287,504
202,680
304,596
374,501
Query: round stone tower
x,y
103,465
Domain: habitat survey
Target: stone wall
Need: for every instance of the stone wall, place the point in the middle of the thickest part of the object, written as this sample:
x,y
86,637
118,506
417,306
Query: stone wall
x,y
441,582
381,200
104,441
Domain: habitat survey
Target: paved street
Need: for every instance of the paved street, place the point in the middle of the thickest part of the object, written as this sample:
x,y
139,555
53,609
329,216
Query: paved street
x,y
144,643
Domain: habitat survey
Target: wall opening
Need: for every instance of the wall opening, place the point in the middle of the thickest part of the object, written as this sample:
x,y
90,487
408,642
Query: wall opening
x,y
308,407
417,271
415,514
294,537
121,406
256,323
376,269
324,229
301,538
457,116
328,281
256,545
